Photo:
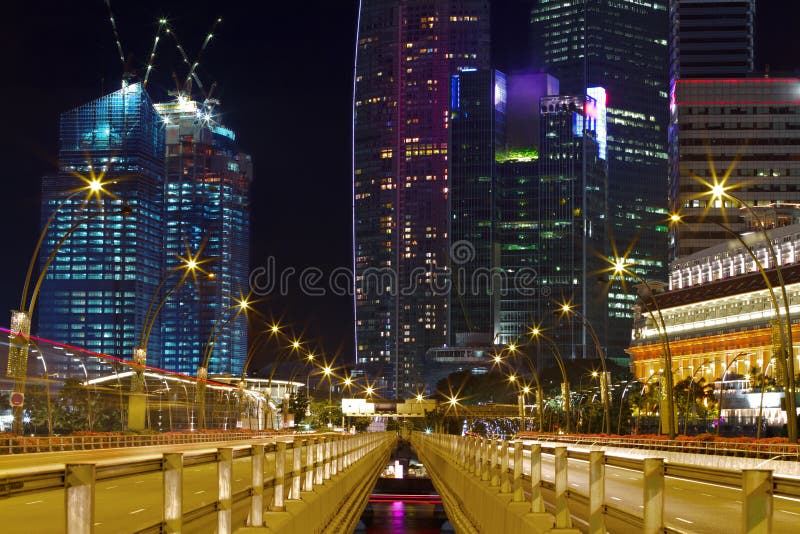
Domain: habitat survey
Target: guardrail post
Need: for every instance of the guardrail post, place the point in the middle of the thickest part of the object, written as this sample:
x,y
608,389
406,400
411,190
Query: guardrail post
x,y
537,500
485,452
79,482
308,483
280,477
318,470
225,482
519,493
296,469
653,497
257,481
597,492
172,466
563,519
335,456
756,501
493,470
340,456
326,469
505,475
469,464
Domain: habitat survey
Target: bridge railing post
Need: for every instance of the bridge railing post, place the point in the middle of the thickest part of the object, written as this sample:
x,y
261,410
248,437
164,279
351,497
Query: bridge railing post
x,y
79,486
334,455
597,492
326,468
297,467
280,477
653,497
318,474
478,454
518,491
340,453
505,475
494,472
537,500
225,483
257,481
172,469
563,519
485,460
308,482
756,501
469,463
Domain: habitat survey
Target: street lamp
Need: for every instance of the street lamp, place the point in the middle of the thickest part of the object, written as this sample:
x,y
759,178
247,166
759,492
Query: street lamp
x,y
514,349
620,268
537,333
566,310
20,325
328,371
719,192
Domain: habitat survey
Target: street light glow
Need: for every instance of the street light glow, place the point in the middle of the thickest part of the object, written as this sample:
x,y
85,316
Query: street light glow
x,y
512,347
327,370
512,378
419,397
526,390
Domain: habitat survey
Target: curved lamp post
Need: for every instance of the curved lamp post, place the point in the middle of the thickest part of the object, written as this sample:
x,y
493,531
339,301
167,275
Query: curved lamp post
x,y
519,349
722,386
567,310
536,333
241,306
719,192
20,325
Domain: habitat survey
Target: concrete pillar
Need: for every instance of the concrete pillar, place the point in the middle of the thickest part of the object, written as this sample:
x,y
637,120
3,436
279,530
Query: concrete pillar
x,y
257,481
494,473
297,466
172,475
478,453
340,453
334,455
485,459
563,519
653,497
225,482
326,468
519,493
505,476
756,501
318,478
308,482
597,492
470,455
537,501
79,484
280,477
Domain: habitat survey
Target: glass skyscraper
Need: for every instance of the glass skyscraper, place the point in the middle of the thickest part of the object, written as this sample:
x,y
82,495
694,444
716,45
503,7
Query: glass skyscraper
x,y
207,213
405,54
621,46
96,292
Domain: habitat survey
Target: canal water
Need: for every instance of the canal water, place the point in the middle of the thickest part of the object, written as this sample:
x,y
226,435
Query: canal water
x,y
404,499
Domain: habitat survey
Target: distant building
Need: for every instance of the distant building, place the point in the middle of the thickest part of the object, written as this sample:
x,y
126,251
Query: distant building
x,y
745,134
406,52
443,361
96,292
207,212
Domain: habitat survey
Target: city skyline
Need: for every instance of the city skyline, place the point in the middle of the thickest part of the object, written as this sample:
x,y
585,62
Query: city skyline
x,y
65,56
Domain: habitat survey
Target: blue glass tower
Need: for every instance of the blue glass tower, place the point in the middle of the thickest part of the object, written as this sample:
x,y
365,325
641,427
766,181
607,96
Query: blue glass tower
x,y
207,213
97,289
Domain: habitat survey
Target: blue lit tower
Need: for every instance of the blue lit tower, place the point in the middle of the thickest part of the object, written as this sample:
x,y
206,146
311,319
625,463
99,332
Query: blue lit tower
x,y
207,212
97,290
406,52
621,46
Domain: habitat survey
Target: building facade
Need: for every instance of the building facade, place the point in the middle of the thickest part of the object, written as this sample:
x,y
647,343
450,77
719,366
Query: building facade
x,y
741,134
207,214
406,52
621,46
96,291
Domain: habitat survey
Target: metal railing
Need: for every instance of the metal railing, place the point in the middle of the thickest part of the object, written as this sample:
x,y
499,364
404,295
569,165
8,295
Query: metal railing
x,y
500,463
293,466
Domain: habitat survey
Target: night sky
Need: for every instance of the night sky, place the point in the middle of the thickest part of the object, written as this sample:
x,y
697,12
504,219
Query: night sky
x,y
284,73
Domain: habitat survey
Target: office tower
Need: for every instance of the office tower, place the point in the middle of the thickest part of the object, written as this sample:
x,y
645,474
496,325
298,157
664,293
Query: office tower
x,y
477,138
571,230
621,46
517,193
96,292
743,134
207,214
406,52
711,38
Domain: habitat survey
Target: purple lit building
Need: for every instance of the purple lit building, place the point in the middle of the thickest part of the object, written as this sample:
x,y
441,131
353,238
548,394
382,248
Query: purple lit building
x,y
405,54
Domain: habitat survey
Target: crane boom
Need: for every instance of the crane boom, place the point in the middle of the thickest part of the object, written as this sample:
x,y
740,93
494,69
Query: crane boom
x,y
116,33
161,24
186,61
208,38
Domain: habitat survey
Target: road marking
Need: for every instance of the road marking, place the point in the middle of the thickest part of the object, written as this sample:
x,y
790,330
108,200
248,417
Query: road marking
x,y
706,495
617,475
140,481
137,511
616,498
34,502
112,487
199,492
684,520
788,512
